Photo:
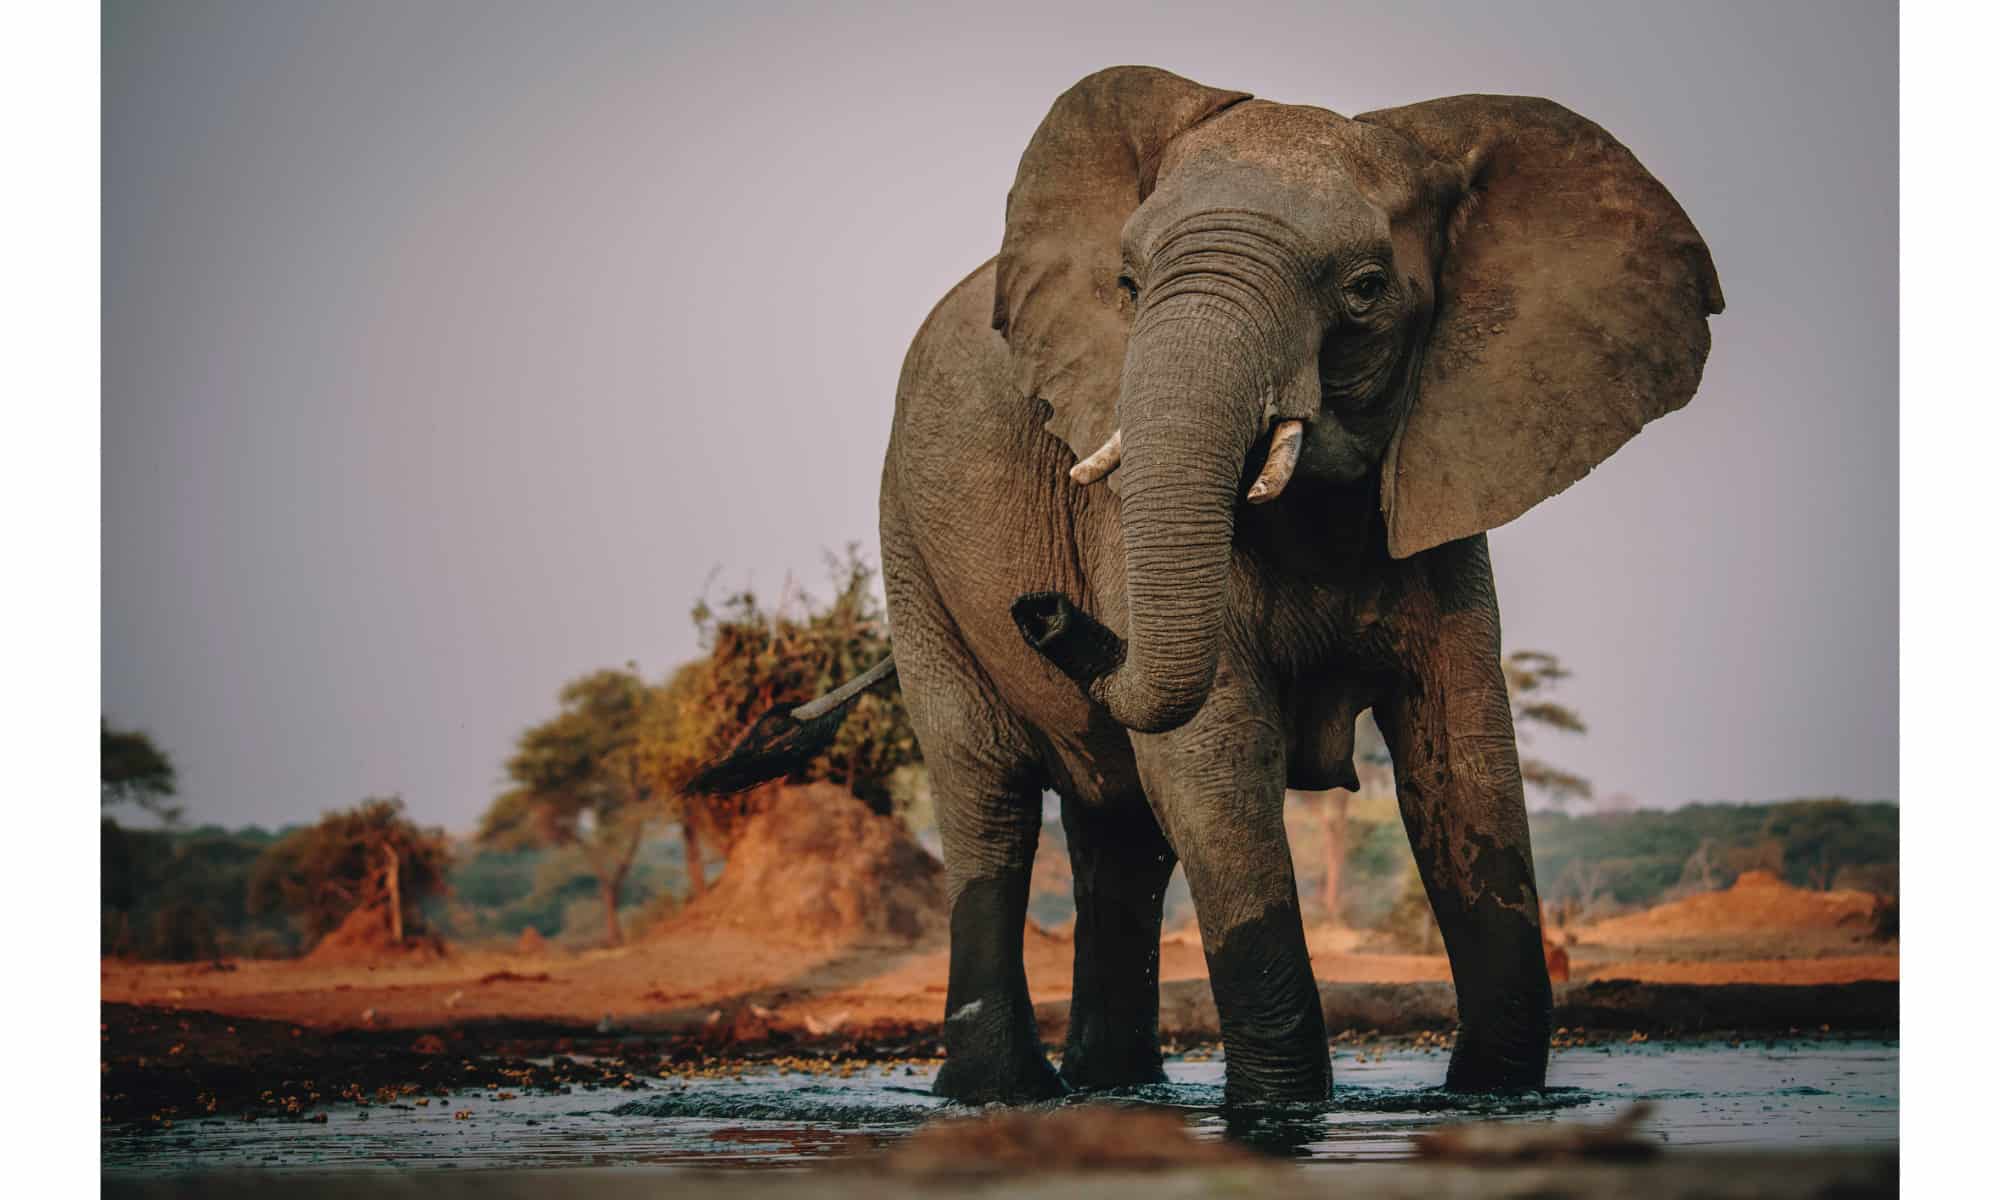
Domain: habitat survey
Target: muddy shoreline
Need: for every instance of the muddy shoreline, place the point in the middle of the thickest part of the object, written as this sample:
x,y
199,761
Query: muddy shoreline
x,y
1596,1007
166,1064
1765,1175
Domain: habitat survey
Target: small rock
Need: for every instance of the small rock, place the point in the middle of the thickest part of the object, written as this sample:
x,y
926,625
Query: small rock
x,y
1512,1142
1088,1137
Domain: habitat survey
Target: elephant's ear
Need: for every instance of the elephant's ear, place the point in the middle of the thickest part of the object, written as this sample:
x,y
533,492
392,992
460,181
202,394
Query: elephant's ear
x,y
1572,308
1057,299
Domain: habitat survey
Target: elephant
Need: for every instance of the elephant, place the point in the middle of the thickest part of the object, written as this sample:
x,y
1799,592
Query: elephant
x,y
1404,328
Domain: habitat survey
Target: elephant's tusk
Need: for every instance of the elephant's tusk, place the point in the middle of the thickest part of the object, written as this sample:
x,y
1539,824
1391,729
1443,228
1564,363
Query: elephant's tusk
x,y
1102,463
1286,438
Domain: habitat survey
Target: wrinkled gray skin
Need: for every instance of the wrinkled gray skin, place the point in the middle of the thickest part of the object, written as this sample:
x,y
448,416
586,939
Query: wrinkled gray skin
x,y
1169,658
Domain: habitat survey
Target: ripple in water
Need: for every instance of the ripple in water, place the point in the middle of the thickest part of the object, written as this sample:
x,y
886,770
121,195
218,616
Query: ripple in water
x,y
1703,1094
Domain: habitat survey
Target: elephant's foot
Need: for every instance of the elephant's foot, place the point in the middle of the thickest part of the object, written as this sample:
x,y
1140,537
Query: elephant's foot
x,y
1506,1011
1292,1074
1489,1062
997,1075
993,1051
1273,1029
1090,1065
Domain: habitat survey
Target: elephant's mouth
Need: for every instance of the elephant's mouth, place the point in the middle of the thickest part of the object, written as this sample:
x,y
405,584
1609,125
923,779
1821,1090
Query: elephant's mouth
x,y
1281,458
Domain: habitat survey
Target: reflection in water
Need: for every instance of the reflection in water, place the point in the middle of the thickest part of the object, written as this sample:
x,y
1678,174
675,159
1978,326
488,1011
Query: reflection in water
x,y
1278,1133
1704,1094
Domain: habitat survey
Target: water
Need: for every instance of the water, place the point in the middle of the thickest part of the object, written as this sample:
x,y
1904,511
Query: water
x,y
1769,1095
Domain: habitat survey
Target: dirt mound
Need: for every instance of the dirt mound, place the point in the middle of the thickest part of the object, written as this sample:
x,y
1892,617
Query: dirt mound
x,y
531,942
1083,1138
1759,902
363,938
816,866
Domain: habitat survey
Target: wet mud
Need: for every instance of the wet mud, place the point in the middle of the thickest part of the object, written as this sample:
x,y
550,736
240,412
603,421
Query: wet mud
x,y
246,1094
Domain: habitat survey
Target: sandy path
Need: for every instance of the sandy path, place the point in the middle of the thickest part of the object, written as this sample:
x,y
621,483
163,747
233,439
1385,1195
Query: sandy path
x,y
678,981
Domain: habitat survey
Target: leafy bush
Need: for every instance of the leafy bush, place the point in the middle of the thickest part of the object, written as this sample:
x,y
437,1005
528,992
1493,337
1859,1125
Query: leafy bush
x,y
182,932
351,858
200,875
759,658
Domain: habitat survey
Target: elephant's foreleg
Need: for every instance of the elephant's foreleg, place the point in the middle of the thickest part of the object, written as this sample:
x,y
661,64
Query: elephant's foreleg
x,y
1217,784
1450,730
1121,864
987,786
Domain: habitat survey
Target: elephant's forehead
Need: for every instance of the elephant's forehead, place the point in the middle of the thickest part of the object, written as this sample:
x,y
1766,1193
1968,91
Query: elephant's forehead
x,y
1312,149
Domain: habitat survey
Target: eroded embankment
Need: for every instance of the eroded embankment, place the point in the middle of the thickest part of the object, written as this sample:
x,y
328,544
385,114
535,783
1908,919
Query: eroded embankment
x,y
1599,1006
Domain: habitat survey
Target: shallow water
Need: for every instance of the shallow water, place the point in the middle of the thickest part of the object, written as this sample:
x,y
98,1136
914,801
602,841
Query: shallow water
x,y
1766,1095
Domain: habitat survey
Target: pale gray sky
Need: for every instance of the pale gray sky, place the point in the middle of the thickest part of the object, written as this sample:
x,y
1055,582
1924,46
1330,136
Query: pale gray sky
x,y
433,333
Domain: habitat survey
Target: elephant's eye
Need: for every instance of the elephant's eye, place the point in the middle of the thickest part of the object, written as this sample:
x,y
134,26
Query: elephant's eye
x,y
1129,286
1366,288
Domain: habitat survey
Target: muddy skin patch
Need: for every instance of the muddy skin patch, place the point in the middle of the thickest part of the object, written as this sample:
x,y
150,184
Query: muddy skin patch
x,y
1114,1024
1273,1030
1504,998
993,1053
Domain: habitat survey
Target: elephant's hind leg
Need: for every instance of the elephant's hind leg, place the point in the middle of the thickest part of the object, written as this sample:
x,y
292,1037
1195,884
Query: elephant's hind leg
x,y
990,820
1450,730
1121,864
986,782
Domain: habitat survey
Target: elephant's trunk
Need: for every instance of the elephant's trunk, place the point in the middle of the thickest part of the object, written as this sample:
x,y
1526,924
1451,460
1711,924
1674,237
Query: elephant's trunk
x,y
1194,399
1224,346
1190,409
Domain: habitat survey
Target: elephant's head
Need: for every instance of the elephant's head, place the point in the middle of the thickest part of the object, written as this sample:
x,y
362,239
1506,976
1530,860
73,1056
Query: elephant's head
x,y
1479,298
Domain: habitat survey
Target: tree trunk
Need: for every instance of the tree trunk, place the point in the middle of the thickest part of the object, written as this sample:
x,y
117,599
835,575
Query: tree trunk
x,y
697,866
1336,853
395,886
611,875
610,889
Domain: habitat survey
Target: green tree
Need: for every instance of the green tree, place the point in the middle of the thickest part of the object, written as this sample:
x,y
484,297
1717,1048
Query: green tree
x,y
677,732
132,770
1817,838
1532,677
578,782
145,873
370,855
620,751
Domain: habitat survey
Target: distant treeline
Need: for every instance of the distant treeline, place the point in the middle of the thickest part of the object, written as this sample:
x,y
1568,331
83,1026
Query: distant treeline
x,y
1640,858
182,895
